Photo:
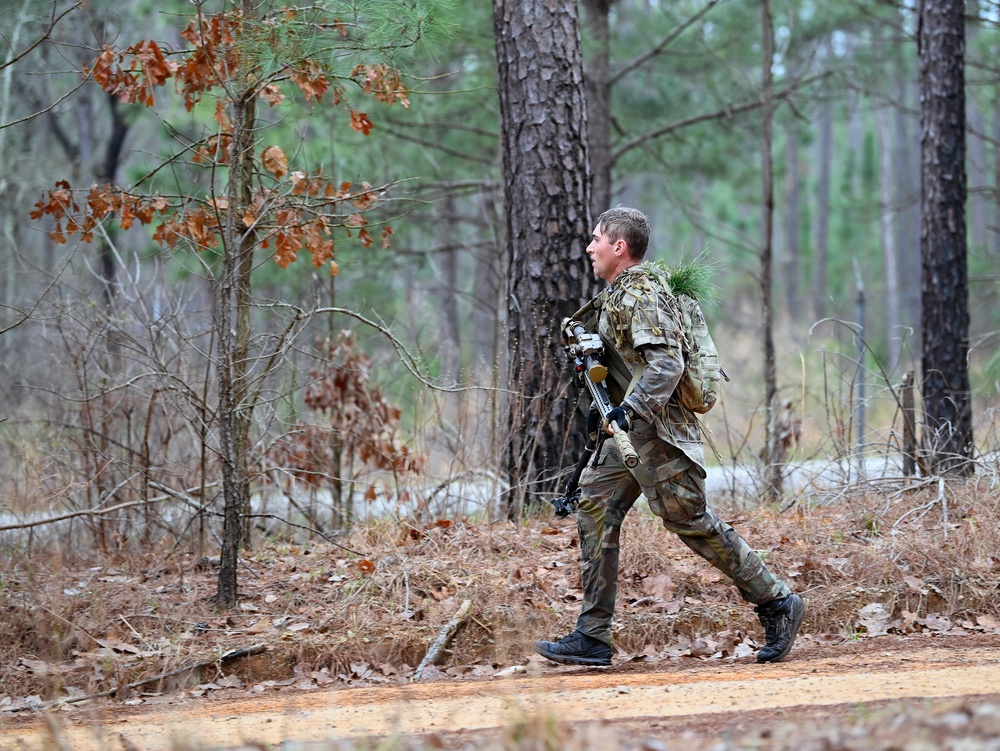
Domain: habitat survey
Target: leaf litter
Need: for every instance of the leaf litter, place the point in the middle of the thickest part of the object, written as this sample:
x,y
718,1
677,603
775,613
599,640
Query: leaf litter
x,y
76,625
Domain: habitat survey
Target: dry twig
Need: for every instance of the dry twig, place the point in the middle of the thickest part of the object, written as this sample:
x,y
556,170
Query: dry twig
x,y
442,639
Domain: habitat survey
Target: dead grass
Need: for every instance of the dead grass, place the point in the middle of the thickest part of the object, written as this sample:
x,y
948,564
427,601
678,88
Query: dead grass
x,y
77,625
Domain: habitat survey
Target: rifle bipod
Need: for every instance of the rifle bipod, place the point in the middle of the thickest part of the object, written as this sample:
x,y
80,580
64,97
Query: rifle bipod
x,y
566,504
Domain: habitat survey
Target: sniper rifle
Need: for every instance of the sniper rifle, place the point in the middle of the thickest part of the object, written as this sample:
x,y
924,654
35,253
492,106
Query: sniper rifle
x,y
586,349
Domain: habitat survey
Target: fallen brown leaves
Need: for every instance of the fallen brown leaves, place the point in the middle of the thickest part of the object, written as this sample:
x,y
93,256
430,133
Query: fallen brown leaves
x,y
75,626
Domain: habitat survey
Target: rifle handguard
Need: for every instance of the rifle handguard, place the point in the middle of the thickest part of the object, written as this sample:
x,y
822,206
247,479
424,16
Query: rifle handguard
x,y
624,445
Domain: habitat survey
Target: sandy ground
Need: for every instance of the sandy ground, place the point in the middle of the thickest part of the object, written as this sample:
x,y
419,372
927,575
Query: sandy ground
x,y
668,698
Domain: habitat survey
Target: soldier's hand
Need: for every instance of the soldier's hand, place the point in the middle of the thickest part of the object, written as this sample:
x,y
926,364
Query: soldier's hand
x,y
621,417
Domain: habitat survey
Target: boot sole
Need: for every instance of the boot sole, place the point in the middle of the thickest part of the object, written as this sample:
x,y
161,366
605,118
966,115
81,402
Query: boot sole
x,y
791,639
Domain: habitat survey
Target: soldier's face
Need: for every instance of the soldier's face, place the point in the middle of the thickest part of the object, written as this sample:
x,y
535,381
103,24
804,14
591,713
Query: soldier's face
x,y
602,255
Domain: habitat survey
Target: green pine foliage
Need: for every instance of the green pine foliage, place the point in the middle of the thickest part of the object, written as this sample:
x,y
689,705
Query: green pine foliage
x,y
694,278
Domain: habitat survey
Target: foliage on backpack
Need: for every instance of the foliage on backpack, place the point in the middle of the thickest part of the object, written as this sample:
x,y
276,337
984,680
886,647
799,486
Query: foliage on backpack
x,y
691,283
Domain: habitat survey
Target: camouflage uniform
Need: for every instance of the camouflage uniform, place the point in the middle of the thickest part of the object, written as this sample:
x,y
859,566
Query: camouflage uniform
x,y
637,319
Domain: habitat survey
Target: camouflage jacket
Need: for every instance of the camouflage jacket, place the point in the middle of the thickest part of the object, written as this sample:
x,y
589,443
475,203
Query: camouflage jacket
x,y
639,323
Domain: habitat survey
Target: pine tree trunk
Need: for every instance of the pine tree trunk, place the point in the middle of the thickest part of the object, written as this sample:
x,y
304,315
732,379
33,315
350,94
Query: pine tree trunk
x,y
996,179
772,471
793,293
979,173
887,232
448,315
907,175
547,212
241,358
232,324
947,437
598,75
825,159
489,273
107,172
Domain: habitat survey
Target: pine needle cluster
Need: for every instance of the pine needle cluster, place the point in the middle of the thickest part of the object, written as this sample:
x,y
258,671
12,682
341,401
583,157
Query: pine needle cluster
x,y
337,35
693,278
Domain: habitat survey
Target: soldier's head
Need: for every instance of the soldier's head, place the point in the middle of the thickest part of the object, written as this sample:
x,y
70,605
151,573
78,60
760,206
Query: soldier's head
x,y
630,225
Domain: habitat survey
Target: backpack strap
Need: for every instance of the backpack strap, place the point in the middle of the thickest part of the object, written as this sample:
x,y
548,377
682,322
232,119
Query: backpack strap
x,y
635,379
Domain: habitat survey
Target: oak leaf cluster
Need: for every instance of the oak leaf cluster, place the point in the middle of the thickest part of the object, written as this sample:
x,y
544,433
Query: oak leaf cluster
x,y
294,210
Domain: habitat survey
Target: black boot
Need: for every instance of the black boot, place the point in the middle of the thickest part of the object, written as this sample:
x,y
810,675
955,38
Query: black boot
x,y
576,649
781,620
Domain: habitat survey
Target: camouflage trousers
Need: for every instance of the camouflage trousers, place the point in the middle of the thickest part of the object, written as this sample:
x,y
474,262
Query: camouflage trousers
x,y
675,489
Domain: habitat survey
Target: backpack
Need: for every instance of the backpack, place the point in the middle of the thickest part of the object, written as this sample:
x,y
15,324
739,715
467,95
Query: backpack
x,y
698,389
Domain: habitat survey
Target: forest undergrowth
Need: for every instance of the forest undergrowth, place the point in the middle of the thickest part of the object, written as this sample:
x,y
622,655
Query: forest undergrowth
x,y
365,611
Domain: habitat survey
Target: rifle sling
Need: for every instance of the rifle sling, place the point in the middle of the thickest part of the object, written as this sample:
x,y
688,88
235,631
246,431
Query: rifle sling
x,y
622,381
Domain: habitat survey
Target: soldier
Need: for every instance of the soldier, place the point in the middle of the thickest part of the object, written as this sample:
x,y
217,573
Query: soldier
x,y
636,318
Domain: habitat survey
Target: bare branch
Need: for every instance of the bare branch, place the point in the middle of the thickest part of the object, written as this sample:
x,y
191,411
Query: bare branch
x,y
638,62
432,145
311,530
725,112
48,109
26,315
405,357
82,512
45,35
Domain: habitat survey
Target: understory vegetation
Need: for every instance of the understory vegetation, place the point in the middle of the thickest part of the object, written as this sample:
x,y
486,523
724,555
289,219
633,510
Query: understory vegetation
x,y
365,609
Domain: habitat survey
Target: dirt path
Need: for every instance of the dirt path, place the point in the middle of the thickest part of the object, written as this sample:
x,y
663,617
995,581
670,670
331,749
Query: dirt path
x,y
817,677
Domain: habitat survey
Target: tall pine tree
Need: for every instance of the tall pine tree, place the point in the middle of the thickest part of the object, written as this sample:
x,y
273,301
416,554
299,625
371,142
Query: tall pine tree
x,y
944,286
546,179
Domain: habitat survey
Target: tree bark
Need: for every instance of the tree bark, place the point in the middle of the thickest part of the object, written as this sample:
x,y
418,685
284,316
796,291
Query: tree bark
x,y
887,229
793,293
247,242
448,314
996,180
546,180
978,171
887,222
947,399
232,324
598,86
107,171
772,478
907,174
825,159
489,273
